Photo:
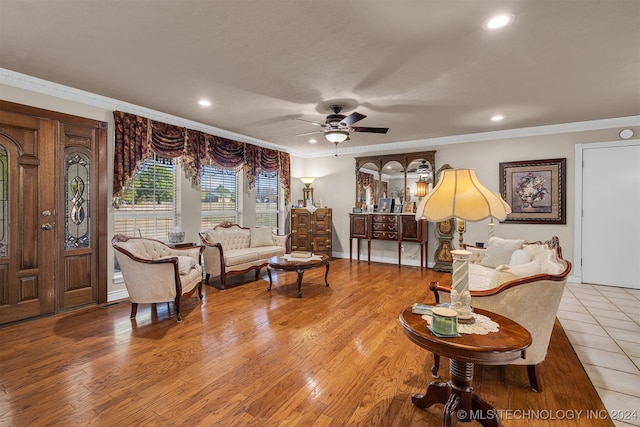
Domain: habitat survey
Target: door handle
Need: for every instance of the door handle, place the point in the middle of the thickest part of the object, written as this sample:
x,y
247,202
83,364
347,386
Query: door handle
x,y
47,226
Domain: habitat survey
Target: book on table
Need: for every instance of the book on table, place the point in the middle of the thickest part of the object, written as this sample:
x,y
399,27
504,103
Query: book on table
x,y
300,254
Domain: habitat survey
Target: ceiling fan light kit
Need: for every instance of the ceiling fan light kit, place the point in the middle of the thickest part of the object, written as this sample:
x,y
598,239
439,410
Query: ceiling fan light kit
x,y
336,136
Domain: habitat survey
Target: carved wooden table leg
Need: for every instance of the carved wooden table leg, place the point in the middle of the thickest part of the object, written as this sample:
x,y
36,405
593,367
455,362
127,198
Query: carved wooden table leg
x,y
300,274
460,403
270,281
326,275
437,392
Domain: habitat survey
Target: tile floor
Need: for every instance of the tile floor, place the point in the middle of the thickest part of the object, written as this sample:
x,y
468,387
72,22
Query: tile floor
x,y
603,325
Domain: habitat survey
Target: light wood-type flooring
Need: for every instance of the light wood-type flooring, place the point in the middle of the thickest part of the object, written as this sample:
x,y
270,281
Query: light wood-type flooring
x,y
249,357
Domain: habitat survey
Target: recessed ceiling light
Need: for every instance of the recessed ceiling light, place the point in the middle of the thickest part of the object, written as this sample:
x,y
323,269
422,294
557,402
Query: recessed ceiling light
x,y
204,103
313,141
497,118
498,21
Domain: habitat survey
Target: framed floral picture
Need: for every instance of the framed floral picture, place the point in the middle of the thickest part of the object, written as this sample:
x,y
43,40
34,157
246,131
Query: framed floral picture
x,y
409,207
535,190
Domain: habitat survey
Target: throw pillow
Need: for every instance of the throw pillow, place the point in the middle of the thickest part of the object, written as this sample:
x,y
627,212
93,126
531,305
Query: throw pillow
x,y
519,257
500,275
476,254
185,263
499,251
523,270
261,236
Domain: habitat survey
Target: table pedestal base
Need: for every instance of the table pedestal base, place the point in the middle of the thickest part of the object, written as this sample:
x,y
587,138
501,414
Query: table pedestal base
x,y
460,403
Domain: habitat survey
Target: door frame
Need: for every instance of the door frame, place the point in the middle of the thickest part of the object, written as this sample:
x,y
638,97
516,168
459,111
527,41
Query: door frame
x,y
577,223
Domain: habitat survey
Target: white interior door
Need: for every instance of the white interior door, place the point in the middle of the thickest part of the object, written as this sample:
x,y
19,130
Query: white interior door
x,y
611,215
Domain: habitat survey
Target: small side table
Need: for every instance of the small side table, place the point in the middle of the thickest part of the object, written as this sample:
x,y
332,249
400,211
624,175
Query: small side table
x,y
183,245
497,348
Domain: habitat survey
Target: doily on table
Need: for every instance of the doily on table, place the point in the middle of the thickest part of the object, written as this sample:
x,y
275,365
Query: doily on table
x,y
482,326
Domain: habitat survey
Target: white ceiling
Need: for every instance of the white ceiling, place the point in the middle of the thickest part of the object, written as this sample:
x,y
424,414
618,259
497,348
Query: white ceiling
x,y
425,69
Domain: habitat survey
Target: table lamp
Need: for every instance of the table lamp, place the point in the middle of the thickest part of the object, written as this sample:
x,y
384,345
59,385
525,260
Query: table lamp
x,y
307,191
459,194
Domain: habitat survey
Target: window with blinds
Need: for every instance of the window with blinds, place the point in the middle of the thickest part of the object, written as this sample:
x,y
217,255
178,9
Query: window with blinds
x,y
218,197
267,200
148,207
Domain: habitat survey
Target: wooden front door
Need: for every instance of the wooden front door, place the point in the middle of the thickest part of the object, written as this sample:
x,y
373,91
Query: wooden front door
x,y
26,264
51,230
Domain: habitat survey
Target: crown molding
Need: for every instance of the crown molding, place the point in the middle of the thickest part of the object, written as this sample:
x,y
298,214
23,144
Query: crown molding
x,y
34,84
23,81
492,135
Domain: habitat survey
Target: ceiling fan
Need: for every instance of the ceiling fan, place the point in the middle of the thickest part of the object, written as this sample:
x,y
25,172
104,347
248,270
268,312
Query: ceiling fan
x,y
337,127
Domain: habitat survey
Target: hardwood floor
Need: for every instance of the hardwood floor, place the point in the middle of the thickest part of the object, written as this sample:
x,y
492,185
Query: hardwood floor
x,y
249,357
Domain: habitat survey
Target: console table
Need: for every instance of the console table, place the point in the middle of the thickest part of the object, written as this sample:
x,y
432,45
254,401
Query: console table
x,y
391,227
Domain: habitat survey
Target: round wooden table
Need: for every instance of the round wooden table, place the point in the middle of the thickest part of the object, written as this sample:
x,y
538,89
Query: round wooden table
x,y
495,348
299,265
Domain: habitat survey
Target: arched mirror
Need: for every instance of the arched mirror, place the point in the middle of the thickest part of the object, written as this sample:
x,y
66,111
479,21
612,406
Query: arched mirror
x,y
393,184
394,176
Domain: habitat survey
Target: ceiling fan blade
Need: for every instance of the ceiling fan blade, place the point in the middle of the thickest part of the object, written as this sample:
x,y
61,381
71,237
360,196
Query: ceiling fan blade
x,y
352,118
372,130
313,123
309,133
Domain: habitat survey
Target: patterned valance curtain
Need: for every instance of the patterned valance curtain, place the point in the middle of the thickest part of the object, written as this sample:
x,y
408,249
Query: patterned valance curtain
x,y
137,138
366,181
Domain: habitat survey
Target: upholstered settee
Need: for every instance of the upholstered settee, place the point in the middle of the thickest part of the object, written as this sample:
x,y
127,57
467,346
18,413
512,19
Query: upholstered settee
x,y
519,280
232,249
154,272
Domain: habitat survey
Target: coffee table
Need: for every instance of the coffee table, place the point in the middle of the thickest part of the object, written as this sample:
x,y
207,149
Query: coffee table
x,y
497,348
299,265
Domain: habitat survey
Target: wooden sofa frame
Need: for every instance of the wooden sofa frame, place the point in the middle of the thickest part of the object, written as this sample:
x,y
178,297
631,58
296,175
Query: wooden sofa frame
x,y
223,272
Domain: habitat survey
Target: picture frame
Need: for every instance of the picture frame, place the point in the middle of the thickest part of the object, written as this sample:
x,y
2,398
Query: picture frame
x,y
397,208
409,207
384,205
535,190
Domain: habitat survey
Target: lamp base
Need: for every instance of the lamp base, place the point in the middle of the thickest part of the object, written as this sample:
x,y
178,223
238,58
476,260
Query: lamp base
x,y
466,320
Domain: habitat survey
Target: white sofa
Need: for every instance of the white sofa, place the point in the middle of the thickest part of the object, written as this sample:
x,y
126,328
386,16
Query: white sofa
x,y
519,280
154,272
231,249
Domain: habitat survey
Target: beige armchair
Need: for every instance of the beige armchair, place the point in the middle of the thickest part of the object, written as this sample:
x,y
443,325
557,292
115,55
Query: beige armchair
x,y
154,272
531,301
